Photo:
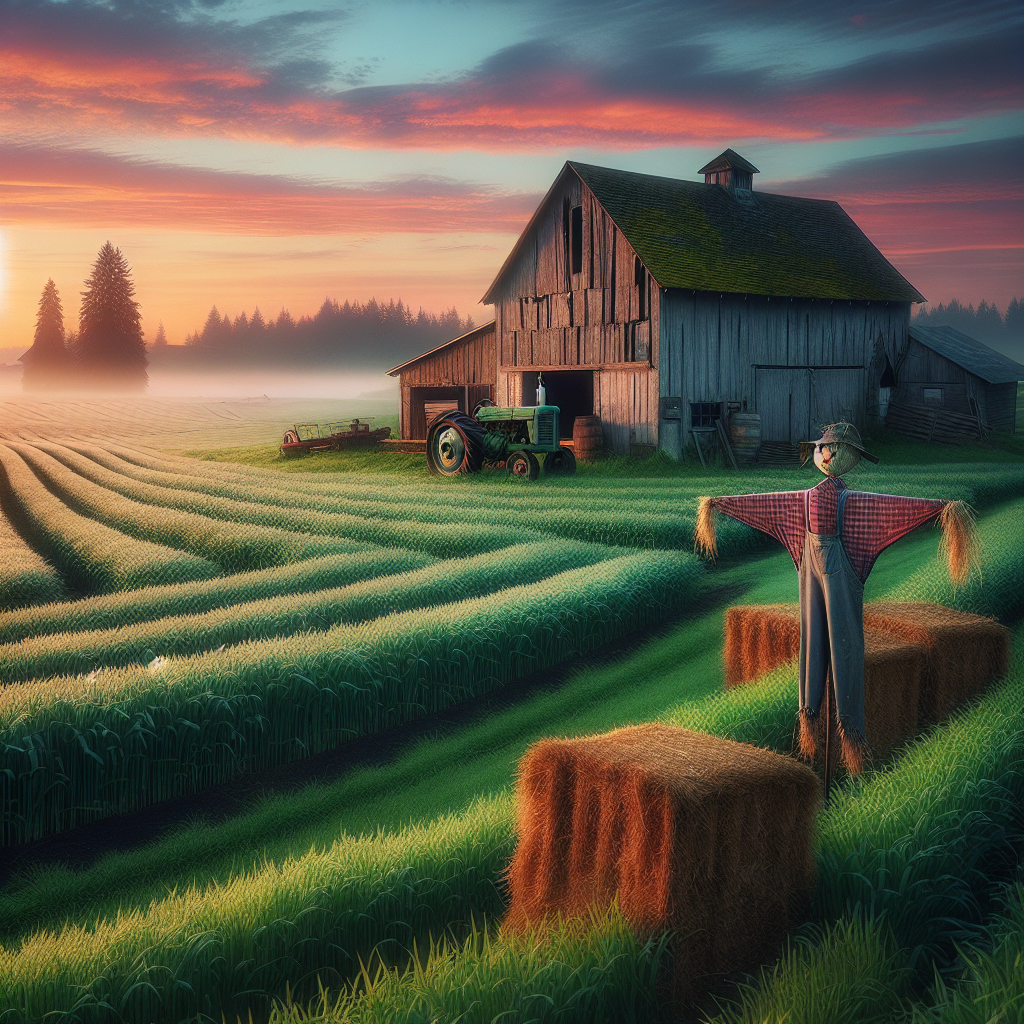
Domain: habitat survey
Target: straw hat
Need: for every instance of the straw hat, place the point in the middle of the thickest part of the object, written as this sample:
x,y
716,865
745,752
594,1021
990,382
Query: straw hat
x,y
841,433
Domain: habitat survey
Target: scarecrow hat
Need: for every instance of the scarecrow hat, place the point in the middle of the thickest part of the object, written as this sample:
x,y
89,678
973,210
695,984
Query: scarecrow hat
x,y
841,433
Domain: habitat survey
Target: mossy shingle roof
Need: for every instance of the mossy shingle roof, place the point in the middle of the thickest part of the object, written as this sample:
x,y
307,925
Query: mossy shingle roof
x,y
703,237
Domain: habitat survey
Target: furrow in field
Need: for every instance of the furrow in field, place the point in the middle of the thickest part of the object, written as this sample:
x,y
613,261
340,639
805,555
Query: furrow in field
x,y
443,541
112,610
90,555
233,546
77,748
179,636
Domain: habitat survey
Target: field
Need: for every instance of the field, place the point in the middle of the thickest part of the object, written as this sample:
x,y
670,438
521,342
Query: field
x,y
260,722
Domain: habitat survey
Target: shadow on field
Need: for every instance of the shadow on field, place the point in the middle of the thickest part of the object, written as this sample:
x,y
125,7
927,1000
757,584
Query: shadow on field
x,y
80,847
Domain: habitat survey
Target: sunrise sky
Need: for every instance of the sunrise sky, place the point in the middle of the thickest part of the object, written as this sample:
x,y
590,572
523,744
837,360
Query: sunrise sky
x,y
275,152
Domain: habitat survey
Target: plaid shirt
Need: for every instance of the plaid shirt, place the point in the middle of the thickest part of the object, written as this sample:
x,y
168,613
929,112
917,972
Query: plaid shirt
x,y
871,522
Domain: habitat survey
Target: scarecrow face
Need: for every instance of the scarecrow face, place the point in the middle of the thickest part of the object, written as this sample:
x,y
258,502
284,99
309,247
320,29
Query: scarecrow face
x,y
835,459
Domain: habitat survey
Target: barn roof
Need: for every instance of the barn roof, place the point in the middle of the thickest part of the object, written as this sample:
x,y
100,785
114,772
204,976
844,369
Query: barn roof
x,y
972,355
697,236
482,329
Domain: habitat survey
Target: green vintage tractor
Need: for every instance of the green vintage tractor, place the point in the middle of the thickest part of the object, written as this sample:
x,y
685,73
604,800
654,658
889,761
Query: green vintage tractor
x,y
459,443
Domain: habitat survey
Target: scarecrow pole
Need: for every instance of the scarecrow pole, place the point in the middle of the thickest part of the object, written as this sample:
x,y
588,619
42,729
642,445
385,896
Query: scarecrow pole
x,y
834,534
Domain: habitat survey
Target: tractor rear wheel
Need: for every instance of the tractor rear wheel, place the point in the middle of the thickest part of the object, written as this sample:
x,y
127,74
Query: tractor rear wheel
x,y
560,462
455,445
523,465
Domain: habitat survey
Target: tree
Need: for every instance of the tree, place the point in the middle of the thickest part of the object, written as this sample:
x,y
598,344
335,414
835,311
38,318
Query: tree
x,y
47,363
112,352
161,337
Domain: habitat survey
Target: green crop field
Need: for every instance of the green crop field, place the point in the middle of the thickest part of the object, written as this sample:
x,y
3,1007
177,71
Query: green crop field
x,y
171,624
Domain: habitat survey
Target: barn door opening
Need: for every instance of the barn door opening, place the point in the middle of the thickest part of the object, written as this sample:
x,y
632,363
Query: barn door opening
x,y
571,390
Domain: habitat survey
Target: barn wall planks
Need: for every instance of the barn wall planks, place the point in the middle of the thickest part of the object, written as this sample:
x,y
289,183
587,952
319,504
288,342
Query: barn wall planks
x,y
603,313
711,344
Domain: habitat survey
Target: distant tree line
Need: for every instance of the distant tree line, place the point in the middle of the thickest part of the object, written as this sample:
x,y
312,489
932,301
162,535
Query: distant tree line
x,y
107,353
371,335
985,324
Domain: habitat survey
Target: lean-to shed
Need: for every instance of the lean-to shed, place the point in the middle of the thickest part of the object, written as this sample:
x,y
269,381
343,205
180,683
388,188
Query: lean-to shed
x,y
950,372
455,375
661,305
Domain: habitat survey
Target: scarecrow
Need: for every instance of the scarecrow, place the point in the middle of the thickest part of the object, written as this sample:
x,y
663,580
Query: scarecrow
x,y
834,534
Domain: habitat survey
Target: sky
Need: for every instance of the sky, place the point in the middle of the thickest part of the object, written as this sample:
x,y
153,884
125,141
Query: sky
x,y
274,153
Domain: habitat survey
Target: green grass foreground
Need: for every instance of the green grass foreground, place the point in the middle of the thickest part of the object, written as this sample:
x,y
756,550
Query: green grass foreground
x,y
297,891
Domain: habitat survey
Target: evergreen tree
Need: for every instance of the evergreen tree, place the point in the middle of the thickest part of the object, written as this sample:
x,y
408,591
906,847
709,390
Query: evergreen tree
x,y
112,352
47,363
161,337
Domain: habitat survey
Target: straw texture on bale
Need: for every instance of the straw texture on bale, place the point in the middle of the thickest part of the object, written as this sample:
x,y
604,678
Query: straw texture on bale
x,y
963,653
710,838
920,661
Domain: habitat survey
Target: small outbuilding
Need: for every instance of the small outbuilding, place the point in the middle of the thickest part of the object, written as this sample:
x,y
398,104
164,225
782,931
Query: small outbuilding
x,y
950,385
456,375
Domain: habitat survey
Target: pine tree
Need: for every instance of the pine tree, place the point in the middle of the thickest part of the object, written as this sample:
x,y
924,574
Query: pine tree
x,y
161,337
47,363
112,352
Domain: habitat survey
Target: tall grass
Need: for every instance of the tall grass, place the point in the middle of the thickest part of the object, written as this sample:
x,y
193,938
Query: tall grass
x,y
75,749
25,576
182,635
92,556
233,547
109,611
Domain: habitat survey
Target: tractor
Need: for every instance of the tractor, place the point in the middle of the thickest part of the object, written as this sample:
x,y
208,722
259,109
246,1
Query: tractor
x,y
459,443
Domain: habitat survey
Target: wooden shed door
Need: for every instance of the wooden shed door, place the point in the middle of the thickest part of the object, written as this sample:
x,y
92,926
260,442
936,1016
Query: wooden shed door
x,y
837,394
783,400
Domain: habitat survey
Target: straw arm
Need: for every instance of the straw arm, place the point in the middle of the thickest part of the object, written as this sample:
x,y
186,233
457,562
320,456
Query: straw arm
x,y
778,513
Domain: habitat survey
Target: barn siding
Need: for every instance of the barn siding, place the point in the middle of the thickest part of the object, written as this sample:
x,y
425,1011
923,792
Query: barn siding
x,y
587,320
711,344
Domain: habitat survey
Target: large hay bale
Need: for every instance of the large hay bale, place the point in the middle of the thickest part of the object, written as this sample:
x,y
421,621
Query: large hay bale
x,y
759,637
893,676
963,653
707,837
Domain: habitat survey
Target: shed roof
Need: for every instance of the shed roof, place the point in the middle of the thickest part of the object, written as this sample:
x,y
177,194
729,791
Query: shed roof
x,y
972,355
482,329
730,158
697,236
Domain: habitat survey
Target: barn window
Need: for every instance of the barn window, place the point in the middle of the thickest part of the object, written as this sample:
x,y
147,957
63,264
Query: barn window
x,y
640,280
576,237
931,396
704,414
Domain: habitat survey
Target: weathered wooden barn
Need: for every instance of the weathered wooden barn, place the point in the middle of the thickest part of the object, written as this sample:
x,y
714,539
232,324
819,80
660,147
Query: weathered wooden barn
x,y
457,374
661,305
953,384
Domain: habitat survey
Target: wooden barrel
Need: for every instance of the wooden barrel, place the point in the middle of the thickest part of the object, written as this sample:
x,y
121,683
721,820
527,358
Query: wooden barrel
x,y
587,438
745,434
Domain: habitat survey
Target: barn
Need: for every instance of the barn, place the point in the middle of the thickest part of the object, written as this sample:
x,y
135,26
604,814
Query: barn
x,y
951,387
663,306
455,375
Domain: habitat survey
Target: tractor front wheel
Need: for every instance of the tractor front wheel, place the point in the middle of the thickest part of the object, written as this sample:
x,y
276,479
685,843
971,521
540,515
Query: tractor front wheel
x,y
523,465
455,445
560,462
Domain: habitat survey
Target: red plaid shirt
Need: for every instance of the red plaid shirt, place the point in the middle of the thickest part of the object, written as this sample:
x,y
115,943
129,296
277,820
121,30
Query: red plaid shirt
x,y
871,522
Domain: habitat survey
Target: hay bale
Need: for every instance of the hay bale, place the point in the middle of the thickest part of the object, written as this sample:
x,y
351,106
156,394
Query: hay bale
x,y
893,677
704,836
758,638
963,653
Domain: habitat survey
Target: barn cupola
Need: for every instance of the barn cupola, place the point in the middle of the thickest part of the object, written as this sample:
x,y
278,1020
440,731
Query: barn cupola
x,y
731,171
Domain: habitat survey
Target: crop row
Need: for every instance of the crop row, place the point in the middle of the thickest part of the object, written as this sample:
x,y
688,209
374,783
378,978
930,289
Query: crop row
x,y
108,611
25,576
244,941
233,547
190,518
182,635
92,556
77,748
